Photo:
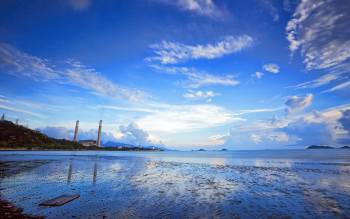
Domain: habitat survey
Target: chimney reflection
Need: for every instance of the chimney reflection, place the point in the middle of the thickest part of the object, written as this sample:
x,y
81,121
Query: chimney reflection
x,y
95,174
70,170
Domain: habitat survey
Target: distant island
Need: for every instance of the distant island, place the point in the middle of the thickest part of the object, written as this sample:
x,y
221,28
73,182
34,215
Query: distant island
x,y
18,137
326,147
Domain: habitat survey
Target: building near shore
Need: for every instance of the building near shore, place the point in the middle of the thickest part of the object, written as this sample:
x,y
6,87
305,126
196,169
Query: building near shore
x,y
88,143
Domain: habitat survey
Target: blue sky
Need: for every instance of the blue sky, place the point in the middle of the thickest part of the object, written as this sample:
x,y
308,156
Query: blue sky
x,y
184,73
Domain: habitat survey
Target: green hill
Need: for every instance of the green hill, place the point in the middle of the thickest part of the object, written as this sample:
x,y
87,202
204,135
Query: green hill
x,y
14,136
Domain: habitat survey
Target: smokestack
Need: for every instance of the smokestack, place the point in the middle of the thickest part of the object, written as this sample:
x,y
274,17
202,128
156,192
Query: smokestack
x,y
76,131
99,134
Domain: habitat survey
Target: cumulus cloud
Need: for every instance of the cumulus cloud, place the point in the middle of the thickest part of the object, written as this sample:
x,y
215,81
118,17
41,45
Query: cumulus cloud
x,y
272,68
195,78
319,30
173,52
329,126
308,132
345,120
132,134
201,7
200,95
57,132
298,103
61,132
23,65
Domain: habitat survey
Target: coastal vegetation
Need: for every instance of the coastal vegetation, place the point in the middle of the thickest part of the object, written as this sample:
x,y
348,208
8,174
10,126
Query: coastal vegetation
x,y
18,137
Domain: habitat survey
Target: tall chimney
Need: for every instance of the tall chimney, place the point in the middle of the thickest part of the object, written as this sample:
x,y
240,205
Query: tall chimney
x,y
99,134
76,131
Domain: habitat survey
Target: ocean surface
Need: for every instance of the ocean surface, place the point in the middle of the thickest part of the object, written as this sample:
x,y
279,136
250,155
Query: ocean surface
x,y
210,184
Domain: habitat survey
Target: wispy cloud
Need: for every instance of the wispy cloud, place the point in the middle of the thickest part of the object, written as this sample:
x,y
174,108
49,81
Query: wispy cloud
x,y
196,78
337,73
268,5
79,5
173,52
342,86
317,29
88,78
262,110
272,68
318,82
19,110
201,7
23,65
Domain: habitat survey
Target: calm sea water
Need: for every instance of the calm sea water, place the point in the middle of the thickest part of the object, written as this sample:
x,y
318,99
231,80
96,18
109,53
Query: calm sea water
x,y
213,184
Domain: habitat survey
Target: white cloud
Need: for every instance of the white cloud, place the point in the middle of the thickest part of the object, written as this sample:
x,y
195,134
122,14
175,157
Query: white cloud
x,y
23,65
317,28
172,52
200,95
296,103
201,7
186,118
272,68
133,134
258,75
195,78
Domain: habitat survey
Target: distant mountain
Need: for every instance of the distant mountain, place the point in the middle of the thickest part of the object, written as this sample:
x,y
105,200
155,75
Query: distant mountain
x,y
16,136
116,144
112,144
345,147
319,147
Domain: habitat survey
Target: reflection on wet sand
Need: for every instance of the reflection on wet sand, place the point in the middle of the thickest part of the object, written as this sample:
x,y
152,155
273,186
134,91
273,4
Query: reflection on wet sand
x,y
94,174
134,187
70,173
70,170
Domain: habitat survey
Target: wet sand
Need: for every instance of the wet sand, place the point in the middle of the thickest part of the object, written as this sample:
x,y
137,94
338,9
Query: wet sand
x,y
164,185
7,169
